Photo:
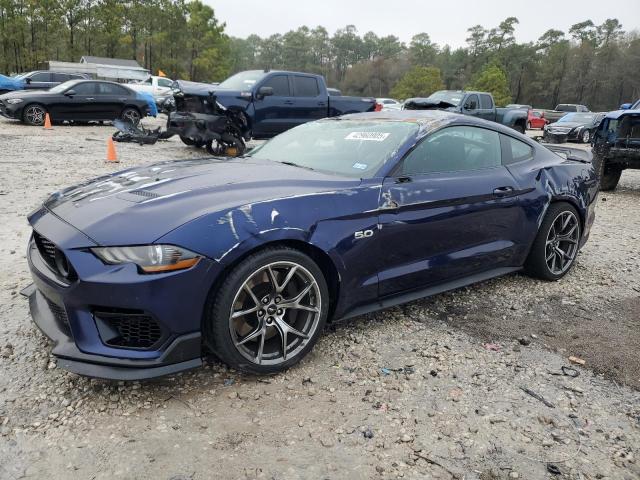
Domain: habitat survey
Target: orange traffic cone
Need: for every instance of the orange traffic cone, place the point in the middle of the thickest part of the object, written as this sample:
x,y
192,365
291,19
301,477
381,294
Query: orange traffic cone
x,y
111,151
47,122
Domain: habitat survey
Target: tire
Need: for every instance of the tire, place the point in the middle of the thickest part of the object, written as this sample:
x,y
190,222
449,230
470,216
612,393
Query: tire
x,y
585,137
528,125
131,115
610,178
545,260
34,114
519,127
263,312
191,143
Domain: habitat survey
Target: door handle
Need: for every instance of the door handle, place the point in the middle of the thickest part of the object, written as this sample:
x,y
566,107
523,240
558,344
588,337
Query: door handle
x,y
288,102
502,191
89,98
322,104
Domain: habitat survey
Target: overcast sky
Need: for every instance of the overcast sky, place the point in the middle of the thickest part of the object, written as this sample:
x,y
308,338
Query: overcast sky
x,y
446,21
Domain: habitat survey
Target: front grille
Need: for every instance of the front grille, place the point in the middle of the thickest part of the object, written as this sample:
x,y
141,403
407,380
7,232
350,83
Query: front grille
x,y
130,330
54,257
60,316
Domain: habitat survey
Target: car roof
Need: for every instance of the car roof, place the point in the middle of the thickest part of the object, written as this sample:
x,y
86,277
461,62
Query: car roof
x,y
428,120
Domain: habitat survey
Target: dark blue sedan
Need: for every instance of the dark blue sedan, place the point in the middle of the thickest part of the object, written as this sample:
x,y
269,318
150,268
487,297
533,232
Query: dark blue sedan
x,y
139,273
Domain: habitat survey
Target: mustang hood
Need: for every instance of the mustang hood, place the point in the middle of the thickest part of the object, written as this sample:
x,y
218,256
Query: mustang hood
x,y
159,198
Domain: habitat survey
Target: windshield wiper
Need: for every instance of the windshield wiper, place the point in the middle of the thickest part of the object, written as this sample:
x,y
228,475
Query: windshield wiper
x,y
297,165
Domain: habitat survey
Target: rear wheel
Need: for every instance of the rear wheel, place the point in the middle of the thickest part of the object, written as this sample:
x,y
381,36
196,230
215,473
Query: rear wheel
x,y
269,312
519,127
131,115
34,114
555,248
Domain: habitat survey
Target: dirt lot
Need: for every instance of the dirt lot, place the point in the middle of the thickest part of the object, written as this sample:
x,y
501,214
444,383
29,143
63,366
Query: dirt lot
x,y
432,389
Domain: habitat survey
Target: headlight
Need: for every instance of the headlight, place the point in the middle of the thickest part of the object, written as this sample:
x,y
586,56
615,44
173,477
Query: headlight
x,y
13,101
149,258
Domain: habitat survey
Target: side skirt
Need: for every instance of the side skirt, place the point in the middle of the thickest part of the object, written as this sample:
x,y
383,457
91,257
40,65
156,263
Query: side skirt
x,y
392,301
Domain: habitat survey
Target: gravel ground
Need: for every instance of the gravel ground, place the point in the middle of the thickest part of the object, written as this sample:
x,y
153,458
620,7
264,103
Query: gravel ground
x,y
432,389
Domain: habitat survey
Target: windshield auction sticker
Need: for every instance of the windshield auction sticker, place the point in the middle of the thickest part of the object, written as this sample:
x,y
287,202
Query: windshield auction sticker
x,y
372,136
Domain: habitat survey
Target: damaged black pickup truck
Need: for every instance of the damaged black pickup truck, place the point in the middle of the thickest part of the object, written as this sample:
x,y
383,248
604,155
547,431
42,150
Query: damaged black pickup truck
x,y
254,104
616,145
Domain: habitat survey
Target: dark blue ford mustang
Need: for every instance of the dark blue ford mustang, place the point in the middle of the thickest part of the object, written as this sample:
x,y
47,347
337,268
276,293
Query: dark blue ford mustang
x,y
136,274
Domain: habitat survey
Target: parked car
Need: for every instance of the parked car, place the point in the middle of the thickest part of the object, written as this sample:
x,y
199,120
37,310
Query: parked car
x,y
38,80
616,145
159,87
389,103
78,101
136,274
573,127
562,109
475,104
536,119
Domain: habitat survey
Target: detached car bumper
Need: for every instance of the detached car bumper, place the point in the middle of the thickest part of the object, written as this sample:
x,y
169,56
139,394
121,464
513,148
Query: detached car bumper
x,y
113,323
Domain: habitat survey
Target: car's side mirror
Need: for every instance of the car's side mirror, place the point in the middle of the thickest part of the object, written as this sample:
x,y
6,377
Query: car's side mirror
x,y
27,80
625,106
70,93
265,92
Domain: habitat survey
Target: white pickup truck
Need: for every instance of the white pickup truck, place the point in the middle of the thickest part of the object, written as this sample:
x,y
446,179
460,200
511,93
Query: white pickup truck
x,y
159,87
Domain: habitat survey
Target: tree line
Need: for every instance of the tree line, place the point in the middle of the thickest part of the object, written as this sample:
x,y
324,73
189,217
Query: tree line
x,y
591,64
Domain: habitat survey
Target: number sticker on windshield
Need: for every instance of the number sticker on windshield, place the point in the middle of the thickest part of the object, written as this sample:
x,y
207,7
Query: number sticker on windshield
x,y
360,166
372,136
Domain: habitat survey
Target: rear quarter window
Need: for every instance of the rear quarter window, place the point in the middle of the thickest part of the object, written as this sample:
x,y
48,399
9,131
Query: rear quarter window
x,y
514,150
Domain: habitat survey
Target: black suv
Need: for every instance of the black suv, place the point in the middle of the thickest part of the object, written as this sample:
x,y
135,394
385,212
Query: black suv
x,y
44,79
616,145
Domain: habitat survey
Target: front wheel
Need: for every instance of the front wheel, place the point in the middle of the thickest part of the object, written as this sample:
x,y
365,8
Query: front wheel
x,y
556,245
269,312
191,142
610,178
528,125
585,137
34,114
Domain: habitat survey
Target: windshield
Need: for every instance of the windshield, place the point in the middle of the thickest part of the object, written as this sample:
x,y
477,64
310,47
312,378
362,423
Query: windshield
x,y
243,80
63,86
352,148
636,105
454,98
577,118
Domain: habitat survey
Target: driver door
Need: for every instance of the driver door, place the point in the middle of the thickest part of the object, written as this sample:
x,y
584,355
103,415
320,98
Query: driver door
x,y
274,113
450,210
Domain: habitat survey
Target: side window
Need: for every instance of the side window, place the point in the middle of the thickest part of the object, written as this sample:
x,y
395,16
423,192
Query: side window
x,y
41,77
486,102
60,77
110,89
454,149
280,85
85,88
149,80
515,150
164,82
537,114
471,103
305,86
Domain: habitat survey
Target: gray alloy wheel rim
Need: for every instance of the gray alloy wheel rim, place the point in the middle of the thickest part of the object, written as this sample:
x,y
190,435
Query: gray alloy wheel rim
x,y
131,115
275,313
586,136
562,242
35,114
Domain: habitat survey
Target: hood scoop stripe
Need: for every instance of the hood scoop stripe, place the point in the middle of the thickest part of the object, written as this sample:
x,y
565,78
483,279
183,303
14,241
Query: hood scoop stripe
x,y
137,196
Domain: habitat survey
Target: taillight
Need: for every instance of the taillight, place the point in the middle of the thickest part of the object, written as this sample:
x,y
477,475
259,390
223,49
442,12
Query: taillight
x,y
378,107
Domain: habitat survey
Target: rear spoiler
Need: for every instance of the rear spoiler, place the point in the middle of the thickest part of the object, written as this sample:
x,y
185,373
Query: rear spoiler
x,y
571,153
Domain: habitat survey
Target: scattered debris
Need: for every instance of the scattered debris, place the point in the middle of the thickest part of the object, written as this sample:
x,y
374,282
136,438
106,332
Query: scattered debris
x,y
577,360
537,396
493,347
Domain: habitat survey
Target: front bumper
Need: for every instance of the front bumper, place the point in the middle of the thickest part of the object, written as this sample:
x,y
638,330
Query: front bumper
x,y
74,314
11,111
